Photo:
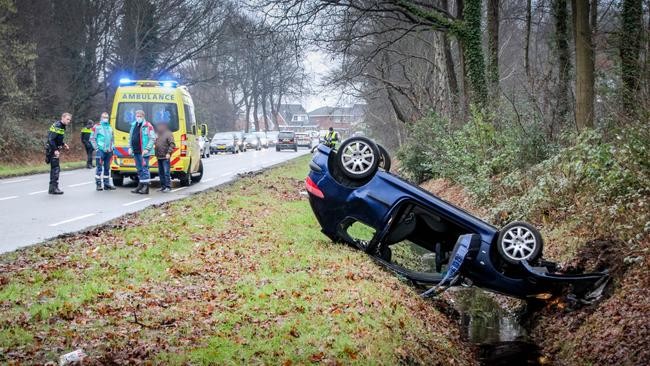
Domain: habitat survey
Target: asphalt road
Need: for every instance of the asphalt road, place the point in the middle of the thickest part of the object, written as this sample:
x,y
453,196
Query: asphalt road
x,y
30,215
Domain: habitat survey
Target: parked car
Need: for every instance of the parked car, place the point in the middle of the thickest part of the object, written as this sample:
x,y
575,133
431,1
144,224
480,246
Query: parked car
x,y
272,136
264,141
303,139
286,140
359,202
204,146
239,141
224,142
251,141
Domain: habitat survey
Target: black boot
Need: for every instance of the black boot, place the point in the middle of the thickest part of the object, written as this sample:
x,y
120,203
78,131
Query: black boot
x,y
137,190
144,189
98,185
54,190
108,186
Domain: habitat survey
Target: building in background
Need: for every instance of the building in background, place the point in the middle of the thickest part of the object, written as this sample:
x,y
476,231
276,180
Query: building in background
x,y
294,117
346,120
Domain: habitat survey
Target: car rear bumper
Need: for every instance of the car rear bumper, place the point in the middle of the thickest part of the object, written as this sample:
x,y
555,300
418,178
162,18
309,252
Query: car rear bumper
x,y
286,146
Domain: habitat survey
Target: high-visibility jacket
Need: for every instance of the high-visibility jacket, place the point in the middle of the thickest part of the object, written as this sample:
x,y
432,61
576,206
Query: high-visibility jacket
x,y
55,136
102,137
332,136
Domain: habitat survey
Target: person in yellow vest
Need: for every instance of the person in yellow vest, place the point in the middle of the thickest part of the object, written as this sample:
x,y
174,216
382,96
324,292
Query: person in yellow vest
x,y
86,131
332,138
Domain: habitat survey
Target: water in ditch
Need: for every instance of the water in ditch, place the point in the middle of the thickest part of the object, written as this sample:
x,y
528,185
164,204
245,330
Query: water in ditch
x,y
497,332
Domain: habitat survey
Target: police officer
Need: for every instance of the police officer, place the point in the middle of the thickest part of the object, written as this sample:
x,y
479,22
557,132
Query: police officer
x,y
86,131
332,138
54,145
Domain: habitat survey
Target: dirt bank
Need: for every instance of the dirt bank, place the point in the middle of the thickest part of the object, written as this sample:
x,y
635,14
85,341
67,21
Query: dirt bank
x,y
615,330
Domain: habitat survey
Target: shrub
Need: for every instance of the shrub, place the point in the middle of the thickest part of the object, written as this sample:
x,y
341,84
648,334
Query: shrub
x,y
472,154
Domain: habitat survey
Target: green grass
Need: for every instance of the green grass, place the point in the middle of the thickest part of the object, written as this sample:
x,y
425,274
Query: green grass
x,y
239,275
13,170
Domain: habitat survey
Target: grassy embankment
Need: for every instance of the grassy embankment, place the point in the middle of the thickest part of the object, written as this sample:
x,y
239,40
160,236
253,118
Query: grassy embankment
x,y
14,170
238,275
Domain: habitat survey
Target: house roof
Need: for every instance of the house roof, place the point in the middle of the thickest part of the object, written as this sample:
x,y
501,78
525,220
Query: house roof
x,y
287,111
357,110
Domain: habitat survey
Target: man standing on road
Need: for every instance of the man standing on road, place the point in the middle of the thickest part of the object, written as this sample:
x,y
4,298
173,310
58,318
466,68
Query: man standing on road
x,y
102,142
53,151
86,131
141,140
164,147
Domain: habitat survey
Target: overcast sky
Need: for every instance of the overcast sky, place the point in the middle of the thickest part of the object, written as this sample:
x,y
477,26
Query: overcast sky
x,y
317,65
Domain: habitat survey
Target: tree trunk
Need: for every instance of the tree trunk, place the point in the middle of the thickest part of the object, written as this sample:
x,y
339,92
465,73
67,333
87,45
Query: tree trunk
x,y
473,46
451,69
264,120
584,65
256,118
493,47
563,60
529,13
460,6
630,49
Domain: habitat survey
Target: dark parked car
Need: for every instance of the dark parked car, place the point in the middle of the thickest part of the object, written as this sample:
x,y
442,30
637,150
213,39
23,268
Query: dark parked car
x,y
252,141
286,140
424,238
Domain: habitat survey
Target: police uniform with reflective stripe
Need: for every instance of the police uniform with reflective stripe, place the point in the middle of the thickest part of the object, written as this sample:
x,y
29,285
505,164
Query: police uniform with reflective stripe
x,y
85,140
54,143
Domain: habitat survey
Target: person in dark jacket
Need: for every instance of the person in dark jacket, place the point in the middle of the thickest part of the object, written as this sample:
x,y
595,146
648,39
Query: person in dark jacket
x,y
86,131
164,148
55,143
141,139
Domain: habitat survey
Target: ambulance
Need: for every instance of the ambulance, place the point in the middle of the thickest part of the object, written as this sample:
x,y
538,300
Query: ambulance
x,y
163,102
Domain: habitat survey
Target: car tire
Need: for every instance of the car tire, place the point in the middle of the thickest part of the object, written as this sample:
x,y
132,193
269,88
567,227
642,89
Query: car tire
x,y
519,241
356,151
197,178
186,177
118,179
384,158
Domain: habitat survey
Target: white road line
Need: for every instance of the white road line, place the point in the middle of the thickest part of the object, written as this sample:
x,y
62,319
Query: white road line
x,y
178,189
7,198
72,219
80,184
38,192
15,181
226,174
134,202
208,180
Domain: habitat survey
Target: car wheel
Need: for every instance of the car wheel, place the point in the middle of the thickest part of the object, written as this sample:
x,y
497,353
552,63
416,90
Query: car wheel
x,y
519,241
384,158
118,179
358,158
197,178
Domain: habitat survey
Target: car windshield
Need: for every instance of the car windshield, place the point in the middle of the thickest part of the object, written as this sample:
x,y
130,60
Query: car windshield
x,y
222,136
155,113
260,134
250,136
285,135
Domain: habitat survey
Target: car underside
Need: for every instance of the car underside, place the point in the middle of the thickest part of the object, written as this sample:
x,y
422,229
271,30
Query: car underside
x,y
424,238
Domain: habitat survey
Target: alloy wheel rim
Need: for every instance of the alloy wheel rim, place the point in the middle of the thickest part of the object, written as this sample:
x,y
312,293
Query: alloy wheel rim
x,y
519,243
358,157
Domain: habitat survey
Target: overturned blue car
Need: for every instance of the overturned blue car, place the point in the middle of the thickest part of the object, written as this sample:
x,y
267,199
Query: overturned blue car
x,y
424,238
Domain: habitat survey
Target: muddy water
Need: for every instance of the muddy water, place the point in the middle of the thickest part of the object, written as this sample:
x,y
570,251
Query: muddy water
x,y
496,331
